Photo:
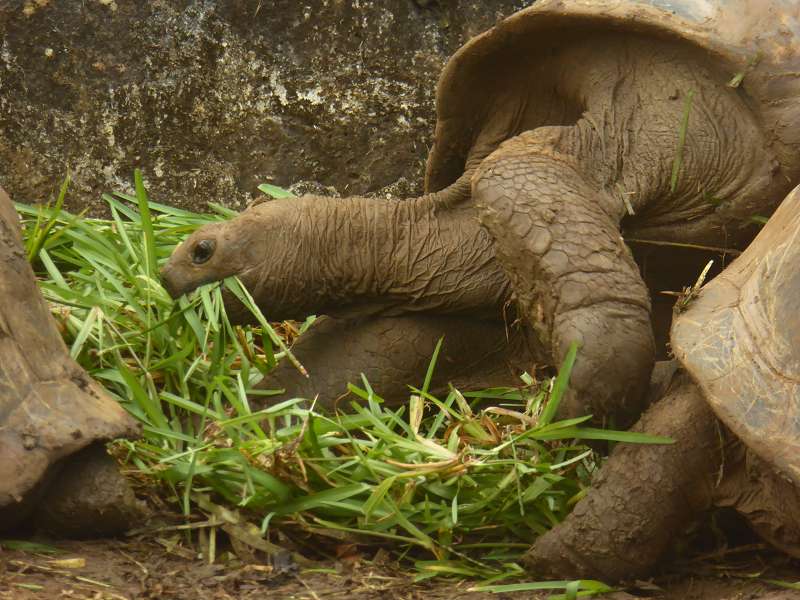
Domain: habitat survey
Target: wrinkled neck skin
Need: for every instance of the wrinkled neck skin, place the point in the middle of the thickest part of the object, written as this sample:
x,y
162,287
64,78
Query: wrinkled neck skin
x,y
363,256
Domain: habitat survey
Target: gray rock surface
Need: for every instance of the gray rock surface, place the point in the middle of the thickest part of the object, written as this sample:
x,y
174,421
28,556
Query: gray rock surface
x,y
211,98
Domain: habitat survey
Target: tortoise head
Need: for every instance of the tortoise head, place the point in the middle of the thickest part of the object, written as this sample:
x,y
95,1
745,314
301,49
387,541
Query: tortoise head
x,y
242,246
210,254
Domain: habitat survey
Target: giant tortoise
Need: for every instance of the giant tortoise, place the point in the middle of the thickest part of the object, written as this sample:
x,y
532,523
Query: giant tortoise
x,y
568,128
734,412
52,414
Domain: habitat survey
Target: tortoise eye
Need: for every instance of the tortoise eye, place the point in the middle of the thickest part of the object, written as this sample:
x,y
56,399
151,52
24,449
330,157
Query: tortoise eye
x,y
202,251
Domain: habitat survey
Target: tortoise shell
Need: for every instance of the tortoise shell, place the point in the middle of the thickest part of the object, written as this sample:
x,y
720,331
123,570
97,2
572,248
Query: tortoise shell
x,y
739,339
756,41
49,406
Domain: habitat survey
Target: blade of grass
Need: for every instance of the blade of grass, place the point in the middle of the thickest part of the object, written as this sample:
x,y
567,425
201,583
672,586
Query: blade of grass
x,y
559,386
678,161
36,243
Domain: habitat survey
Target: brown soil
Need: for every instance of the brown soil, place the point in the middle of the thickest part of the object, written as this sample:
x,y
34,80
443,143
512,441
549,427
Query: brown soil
x,y
127,570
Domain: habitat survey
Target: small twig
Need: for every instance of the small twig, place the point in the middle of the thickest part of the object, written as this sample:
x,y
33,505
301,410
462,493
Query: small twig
x,y
624,195
305,585
136,562
62,572
728,551
680,245
688,294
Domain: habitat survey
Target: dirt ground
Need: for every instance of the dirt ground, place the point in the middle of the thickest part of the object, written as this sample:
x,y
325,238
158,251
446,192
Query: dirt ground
x,y
136,569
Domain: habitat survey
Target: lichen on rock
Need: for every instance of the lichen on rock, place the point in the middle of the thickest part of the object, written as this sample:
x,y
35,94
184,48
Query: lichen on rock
x,y
212,98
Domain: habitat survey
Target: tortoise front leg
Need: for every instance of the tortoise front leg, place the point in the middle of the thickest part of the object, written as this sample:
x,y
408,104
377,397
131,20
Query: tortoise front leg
x,y
557,237
394,352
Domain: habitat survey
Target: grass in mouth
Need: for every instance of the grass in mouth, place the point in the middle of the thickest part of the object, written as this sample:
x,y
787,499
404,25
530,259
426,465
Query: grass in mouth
x,y
460,484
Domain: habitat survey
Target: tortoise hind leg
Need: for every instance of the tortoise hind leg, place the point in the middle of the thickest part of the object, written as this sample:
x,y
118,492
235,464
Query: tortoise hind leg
x,y
557,237
769,502
89,497
395,352
642,497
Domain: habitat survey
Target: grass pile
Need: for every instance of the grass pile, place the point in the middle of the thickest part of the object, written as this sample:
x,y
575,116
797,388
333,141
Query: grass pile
x,y
460,484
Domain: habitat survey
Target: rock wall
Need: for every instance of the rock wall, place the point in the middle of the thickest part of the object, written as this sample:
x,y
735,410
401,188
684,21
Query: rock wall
x,y
211,98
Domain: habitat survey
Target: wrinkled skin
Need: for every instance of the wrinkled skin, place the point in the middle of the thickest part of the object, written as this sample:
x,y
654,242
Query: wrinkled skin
x,y
537,216
393,278
349,257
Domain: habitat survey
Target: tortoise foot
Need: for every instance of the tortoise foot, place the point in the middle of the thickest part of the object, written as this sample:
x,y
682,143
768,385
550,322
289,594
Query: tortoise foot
x,y
89,497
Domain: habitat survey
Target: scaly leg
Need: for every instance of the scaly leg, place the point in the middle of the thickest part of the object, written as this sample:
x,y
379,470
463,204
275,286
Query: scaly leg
x,y
642,497
769,502
557,236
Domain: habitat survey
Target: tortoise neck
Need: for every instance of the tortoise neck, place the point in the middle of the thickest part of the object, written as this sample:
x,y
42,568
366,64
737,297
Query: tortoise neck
x,y
390,257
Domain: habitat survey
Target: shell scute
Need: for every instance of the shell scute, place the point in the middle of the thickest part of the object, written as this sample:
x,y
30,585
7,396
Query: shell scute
x,y
740,341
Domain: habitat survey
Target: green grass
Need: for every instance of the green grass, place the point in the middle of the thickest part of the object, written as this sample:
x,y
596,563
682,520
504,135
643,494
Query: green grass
x,y
678,161
459,484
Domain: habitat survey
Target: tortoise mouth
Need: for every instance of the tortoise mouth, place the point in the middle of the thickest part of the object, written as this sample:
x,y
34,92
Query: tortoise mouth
x,y
173,283
174,290
176,284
